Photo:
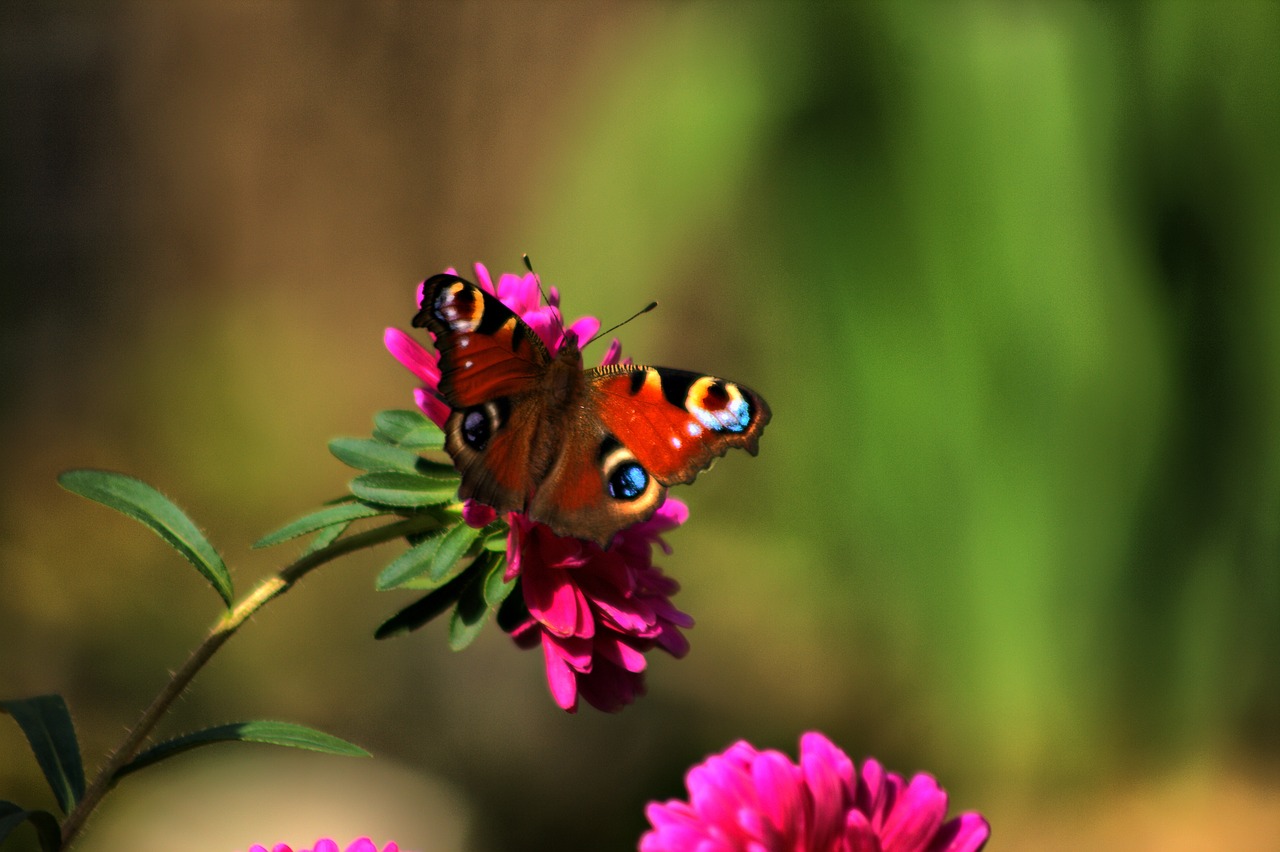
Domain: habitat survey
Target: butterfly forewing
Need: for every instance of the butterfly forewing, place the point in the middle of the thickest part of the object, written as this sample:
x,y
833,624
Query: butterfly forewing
x,y
486,351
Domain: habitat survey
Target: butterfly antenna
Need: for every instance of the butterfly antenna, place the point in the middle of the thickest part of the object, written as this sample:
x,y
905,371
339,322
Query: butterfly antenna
x,y
601,334
528,264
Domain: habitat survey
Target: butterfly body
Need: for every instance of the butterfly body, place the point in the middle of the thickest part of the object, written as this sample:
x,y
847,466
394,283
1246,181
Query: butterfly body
x,y
586,452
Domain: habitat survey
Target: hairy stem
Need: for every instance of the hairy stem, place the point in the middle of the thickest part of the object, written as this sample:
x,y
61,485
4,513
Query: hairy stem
x,y
222,630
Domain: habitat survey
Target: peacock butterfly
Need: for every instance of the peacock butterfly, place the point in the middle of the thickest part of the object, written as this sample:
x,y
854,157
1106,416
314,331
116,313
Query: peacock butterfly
x,y
586,452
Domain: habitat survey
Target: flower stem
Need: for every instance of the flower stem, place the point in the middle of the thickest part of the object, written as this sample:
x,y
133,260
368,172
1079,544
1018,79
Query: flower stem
x,y
222,630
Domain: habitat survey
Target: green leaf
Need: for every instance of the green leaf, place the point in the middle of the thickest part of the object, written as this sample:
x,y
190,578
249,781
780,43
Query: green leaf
x,y
410,564
426,437
496,588
453,547
45,824
393,488
328,516
326,537
436,470
47,724
262,731
424,609
141,502
409,429
368,454
472,611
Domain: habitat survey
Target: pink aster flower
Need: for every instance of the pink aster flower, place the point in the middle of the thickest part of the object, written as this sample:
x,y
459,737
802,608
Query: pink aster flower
x,y
324,844
595,613
751,801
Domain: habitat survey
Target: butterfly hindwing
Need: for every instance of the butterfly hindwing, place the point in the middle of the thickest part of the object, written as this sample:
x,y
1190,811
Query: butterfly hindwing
x,y
640,430
676,422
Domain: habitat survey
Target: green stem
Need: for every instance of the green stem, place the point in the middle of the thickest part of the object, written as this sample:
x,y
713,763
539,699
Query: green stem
x,y
222,630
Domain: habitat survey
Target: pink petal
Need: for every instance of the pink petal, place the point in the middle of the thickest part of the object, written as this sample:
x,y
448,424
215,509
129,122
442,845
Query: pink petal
x,y
326,845
825,769
362,844
584,329
717,790
557,602
560,678
436,409
777,784
413,355
966,833
483,280
916,817
621,653
612,354
859,836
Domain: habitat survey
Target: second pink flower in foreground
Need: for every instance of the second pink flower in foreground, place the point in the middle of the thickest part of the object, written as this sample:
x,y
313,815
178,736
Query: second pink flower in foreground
x,y
746,800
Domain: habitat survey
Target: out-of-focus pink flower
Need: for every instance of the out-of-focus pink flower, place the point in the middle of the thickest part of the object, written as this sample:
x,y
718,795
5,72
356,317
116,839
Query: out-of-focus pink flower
x,y
324,844
595,613
746,800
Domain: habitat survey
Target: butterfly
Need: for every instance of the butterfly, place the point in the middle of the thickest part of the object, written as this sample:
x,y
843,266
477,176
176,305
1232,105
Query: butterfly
x,y
586,452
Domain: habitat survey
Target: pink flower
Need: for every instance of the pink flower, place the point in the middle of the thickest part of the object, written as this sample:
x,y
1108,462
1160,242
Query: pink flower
x,y
751,801
595,613
324,844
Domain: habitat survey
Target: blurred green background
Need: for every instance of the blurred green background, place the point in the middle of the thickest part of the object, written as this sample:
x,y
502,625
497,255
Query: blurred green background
x,y
1006,272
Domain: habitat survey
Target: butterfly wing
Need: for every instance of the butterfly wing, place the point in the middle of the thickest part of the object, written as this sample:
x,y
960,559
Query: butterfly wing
x,y
492,366
640,430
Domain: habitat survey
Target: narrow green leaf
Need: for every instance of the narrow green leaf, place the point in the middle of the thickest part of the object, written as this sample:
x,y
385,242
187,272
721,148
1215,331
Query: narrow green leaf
x,y
46,722
495,536
496,588
424,609
408,565
368,454
453,547
326,537
45,824
140,501
328,516
471,613
393,488
262,731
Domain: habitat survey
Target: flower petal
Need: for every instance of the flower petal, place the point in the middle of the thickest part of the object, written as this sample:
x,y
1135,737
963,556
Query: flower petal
x,y
916,817
413,355
560,678
966,833
434,407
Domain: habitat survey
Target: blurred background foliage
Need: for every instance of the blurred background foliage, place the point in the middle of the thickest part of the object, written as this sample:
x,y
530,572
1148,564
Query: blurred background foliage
x,y
1007,274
